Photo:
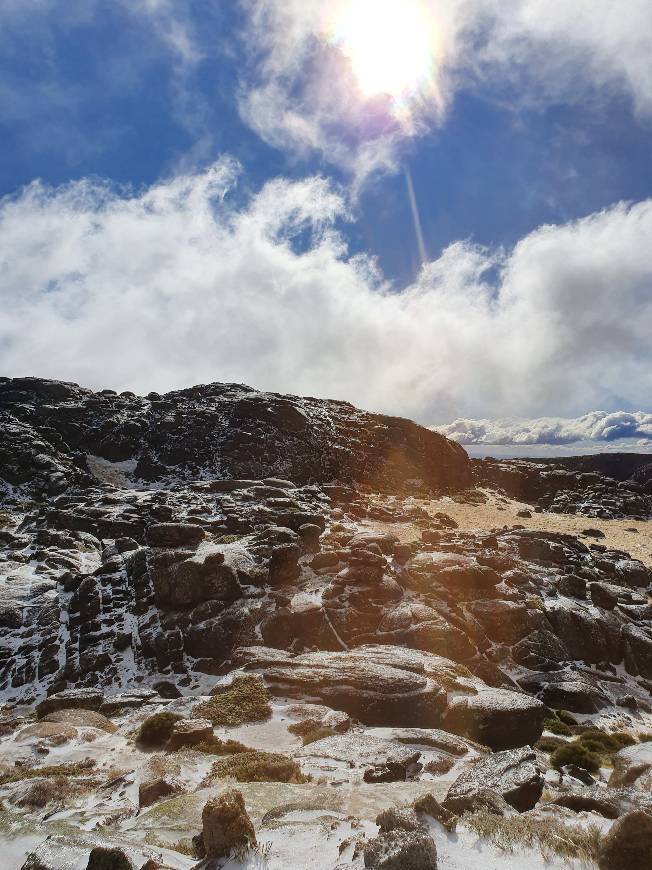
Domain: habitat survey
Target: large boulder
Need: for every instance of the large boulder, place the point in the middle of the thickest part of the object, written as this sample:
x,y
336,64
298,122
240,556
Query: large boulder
x,y
514,775
632,767
498,718
401,850
180,583
373,684
174,535
628,844
226,825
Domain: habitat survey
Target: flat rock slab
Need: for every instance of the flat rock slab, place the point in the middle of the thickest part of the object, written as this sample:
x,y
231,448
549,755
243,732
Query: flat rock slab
x,y
361,750
364,683
81,699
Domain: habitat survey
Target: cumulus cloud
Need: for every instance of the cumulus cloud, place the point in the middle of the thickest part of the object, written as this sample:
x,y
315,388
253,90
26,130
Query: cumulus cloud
x,y
190,282
299,94
601,427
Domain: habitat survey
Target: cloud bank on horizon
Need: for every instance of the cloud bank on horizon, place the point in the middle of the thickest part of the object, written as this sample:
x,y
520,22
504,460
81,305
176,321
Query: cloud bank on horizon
x,y
599,427
208,275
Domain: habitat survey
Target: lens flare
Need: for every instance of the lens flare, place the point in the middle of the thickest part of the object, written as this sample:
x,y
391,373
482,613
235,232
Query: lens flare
x,y
390,44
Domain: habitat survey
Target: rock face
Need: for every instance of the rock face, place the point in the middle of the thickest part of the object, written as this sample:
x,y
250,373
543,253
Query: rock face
x,y
149,546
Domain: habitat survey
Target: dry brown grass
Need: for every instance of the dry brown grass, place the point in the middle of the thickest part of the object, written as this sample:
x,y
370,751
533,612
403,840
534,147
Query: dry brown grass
x,y
310,731
17,774
256,766
552,838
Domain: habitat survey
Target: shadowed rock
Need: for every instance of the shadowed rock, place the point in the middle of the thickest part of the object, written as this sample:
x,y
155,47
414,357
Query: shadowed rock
x,y
513,775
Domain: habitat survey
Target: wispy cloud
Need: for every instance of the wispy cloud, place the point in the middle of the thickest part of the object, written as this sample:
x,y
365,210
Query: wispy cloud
x,y
177,284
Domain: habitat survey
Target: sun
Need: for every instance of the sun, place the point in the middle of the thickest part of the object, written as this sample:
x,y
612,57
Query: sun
x,y
390,44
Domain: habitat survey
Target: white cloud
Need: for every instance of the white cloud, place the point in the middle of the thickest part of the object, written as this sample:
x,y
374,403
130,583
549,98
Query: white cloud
x,y
298,93
178,285
601,427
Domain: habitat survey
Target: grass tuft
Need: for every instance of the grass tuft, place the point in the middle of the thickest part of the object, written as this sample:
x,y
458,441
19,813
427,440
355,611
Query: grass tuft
x,y
246,699
310,731
577,754
552,838
78,768
156,730
557,727
215,746
256,766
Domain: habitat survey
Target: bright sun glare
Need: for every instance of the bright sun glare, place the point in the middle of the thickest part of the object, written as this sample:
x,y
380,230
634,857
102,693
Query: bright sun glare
x,y
389,43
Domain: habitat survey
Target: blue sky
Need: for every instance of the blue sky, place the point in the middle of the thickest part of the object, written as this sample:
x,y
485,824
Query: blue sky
x,y
536,124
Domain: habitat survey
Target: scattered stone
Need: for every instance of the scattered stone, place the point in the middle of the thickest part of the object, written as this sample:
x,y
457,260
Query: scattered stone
x,y
429,806
189,732
155,790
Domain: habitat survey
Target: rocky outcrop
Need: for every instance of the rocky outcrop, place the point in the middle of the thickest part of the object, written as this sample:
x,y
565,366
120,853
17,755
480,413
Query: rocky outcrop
x,y
225,430
604,486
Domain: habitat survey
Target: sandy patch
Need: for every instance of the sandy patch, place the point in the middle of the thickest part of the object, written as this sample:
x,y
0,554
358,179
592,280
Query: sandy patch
x,y
499,511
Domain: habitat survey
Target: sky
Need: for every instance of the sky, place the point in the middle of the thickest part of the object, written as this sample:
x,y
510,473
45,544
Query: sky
x,y
440,209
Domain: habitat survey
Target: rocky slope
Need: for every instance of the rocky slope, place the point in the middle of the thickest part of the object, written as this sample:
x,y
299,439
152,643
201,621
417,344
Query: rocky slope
x,y
154,550
609,487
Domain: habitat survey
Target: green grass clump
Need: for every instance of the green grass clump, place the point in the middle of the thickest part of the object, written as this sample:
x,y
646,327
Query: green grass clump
x,y
591,746
156,730
246,699
77,768
557,727
552,838
256,766
549,744
566,717
215,746
577,754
